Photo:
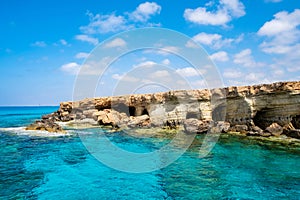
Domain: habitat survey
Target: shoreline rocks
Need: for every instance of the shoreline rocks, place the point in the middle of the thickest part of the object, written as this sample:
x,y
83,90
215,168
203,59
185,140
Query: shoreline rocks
x,y
260,110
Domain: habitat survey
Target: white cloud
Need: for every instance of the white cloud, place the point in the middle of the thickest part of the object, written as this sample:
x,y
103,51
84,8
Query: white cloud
x,y
207,39
162,50
144,11
189,72
82,55
39,44
199,84
94,66
166,62
166,50
226,11
246,59
282,39
283,22
145,64
254,77
104,24
71,68
125,77
233,73
160,74
86,38
234,7
282,32
112,23
118,42
220,56
202,16
63,42
214,41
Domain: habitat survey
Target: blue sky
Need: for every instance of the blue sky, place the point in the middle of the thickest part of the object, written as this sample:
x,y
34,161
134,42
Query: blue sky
x,y
44,43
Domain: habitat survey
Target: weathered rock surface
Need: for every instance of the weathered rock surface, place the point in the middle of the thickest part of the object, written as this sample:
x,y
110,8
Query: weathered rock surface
x,y
275,129
196,126
45,125
294,133
263,110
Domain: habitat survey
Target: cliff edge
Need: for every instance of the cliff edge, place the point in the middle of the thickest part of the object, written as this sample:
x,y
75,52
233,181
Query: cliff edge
x,y
259,110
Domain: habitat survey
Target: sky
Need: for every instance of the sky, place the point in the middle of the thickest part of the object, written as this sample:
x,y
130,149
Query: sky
x,y
43,44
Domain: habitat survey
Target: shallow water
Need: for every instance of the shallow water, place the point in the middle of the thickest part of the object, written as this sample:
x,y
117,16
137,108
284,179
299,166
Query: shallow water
x,y
60,167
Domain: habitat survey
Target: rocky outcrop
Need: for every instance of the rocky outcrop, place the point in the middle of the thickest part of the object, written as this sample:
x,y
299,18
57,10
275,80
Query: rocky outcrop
x,y
45,125
264,110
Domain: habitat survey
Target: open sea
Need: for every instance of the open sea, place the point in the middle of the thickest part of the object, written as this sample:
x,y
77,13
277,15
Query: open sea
x,y
37,166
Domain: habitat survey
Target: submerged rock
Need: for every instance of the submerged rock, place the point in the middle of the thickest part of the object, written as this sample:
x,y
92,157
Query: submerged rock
x,y
45,125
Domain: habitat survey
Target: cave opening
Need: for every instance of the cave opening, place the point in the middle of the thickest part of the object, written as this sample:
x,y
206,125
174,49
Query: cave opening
x,y
296,121
260,119
132,110
191,115
121,108
145,112
219,113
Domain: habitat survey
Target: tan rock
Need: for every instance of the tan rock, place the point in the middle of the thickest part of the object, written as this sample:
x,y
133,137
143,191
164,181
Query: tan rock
x,y
275,129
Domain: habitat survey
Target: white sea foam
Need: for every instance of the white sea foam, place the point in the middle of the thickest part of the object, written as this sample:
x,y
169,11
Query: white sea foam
x,y
23,131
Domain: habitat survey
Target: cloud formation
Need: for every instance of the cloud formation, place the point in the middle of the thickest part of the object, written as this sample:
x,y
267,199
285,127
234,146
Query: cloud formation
x,y
112,23
246,59
88,39
70,68
220,56
225,12
281,32
118,42
144,11
214,41
39,44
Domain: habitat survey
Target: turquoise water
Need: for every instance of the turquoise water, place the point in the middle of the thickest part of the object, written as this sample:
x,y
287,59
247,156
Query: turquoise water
x,y
34,167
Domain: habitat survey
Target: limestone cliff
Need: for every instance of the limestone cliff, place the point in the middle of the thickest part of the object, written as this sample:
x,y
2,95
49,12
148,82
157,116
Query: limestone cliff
x,y
267,109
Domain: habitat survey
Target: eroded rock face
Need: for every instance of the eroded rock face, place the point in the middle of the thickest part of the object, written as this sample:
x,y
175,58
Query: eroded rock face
x,y
193,126
45,125
275,129
264,110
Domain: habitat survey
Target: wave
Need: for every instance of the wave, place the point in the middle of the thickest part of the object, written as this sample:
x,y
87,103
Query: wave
x,y
35,133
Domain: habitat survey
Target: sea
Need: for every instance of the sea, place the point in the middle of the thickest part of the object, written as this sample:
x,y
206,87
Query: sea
x,y
39,165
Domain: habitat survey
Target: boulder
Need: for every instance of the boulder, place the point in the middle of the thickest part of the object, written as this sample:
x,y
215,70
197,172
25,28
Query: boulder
x,y
45,125
239,128
274,129
194,125
111,117
220,127
89,113
139,121
256,131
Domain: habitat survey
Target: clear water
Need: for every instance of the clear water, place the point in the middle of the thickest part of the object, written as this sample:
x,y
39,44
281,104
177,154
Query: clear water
x,y
61,168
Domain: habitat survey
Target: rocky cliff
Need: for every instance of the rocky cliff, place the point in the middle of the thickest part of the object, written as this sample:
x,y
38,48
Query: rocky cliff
x,y
264,110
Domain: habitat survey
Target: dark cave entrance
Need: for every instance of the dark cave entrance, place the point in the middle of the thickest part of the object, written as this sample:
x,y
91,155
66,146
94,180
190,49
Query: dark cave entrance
x,y
132,111
190,115
260,119
145,112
